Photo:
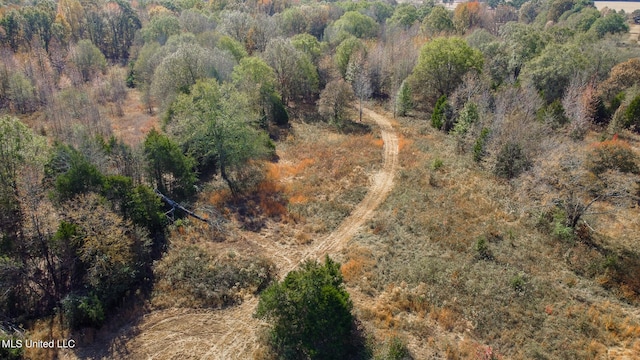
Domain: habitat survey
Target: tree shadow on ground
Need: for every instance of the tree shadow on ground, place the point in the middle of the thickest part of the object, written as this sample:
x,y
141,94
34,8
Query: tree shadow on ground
x,y
255,206
110,341
355,128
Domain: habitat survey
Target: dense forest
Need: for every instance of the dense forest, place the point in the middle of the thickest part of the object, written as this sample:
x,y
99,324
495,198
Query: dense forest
x,y
541,98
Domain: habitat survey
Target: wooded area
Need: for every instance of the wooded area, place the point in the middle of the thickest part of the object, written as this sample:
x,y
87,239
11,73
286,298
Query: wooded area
x,y
83,234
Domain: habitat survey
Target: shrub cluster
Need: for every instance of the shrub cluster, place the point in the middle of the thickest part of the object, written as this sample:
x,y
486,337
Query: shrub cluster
x,y
442,113
511,161
614,154
190,276
479,148
311,314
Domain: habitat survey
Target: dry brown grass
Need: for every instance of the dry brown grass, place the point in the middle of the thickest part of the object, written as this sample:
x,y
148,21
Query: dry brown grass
x,y
358,266
261,202
191,276
46,330
424,236
413,271
318,179
325,174
136,122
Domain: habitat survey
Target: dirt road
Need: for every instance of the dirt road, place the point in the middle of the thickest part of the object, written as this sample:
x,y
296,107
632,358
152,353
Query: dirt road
x,y
232,333
382,184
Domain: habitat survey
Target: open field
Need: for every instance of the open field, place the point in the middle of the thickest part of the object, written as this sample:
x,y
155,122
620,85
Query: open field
x,y
136,122
424,276
627,6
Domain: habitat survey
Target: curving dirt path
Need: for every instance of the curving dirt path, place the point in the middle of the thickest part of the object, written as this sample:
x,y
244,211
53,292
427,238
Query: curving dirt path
x,y
380,188
233,333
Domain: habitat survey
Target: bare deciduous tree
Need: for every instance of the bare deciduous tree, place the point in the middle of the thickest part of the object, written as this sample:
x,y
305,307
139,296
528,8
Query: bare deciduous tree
x,y
579,103
296,75
359,77
334,101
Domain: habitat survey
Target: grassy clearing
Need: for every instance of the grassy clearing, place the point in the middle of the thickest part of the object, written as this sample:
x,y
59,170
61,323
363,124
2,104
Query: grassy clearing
x,y
456,263
324,174
320,176
454,250
135,122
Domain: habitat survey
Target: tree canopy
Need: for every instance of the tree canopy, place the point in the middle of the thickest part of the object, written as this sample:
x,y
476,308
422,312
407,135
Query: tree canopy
x,y
171,171
216,126
310,313
355,24
296,75
257,79
441,66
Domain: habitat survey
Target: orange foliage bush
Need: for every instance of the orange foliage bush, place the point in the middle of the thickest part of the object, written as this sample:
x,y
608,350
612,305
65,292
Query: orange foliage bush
x,y
614,154
266,199
283,171
621,76
298,199
270,193
218,198
352,269
271,201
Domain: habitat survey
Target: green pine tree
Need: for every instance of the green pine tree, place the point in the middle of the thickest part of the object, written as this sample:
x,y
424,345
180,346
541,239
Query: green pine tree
x,y
404,99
